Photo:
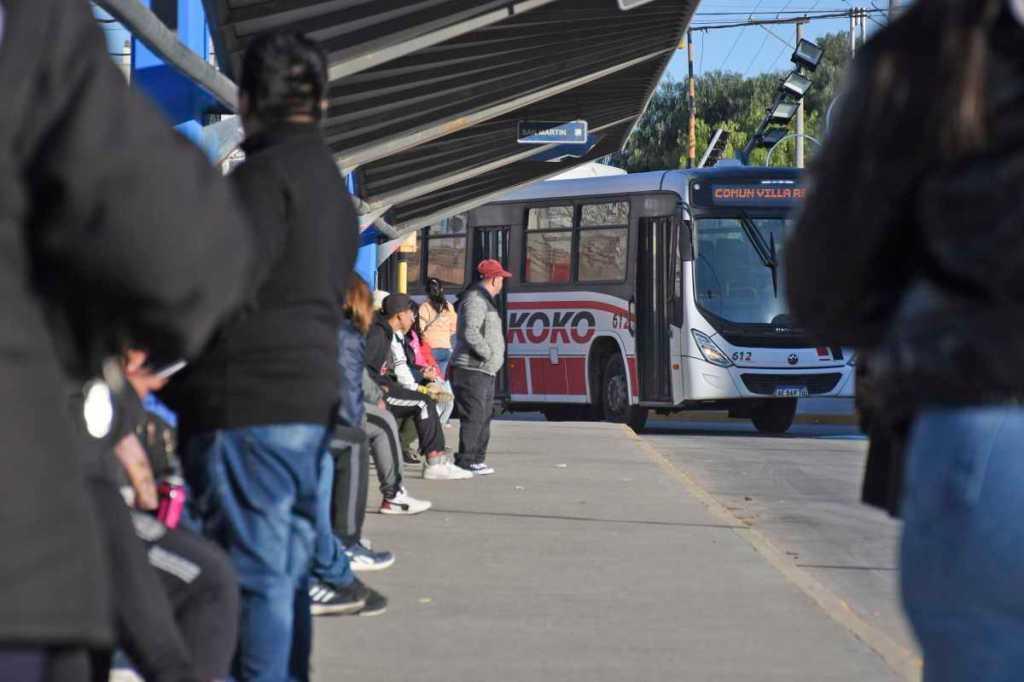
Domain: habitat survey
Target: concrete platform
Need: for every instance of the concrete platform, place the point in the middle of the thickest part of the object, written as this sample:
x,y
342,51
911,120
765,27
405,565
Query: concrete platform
x,y
581,559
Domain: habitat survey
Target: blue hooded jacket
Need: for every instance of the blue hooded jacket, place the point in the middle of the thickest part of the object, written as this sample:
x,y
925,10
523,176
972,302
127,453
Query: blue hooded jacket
x,y
351,351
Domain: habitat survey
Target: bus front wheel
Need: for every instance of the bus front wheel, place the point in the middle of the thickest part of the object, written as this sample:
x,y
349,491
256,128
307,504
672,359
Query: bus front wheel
x,y
615,397
774,416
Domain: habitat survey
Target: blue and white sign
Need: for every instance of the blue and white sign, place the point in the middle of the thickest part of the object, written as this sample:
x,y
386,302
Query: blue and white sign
x,y
552,132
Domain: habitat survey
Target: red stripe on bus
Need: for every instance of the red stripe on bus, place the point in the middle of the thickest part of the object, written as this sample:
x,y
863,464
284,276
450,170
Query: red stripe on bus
x,y
549,305
633,379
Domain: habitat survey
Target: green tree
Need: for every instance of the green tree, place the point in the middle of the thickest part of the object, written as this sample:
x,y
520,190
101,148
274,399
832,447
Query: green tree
x,y
735,103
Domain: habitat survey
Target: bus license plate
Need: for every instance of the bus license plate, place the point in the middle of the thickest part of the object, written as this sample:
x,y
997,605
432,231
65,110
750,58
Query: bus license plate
x,y
791,392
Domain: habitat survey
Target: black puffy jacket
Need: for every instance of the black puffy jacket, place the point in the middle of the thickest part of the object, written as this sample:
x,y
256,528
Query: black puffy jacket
x,y
915,258
904,252
351,362
119,228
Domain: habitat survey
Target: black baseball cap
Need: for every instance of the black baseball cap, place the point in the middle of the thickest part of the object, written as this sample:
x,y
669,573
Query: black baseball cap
x,y
395,303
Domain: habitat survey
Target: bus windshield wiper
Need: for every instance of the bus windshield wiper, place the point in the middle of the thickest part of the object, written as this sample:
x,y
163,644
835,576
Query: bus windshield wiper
x,y
766,252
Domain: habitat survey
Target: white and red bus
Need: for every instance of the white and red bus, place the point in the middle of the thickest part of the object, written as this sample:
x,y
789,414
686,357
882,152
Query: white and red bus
x,y
652,291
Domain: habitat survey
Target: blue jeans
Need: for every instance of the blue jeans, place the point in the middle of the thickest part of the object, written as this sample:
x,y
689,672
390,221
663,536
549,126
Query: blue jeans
x,y
255,492
962,552
442,355
330,563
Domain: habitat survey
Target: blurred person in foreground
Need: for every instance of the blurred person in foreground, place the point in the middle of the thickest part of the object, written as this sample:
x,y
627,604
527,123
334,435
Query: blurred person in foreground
x,y
98,243
911,246
255,410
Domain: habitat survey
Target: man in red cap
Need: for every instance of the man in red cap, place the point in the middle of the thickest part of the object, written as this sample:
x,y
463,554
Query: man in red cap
x,y
478,357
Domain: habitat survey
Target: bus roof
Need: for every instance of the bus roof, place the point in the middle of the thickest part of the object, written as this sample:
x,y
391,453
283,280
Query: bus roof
x,y
634,183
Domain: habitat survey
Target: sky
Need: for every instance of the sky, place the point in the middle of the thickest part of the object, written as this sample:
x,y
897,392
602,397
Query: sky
x,y
752,50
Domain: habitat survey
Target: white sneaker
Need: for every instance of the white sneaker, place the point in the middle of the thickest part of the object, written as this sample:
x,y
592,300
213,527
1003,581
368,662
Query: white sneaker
x,y
404,503
443,470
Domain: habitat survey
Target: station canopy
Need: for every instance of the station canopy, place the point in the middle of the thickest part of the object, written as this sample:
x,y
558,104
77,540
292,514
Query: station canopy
x,y
425,95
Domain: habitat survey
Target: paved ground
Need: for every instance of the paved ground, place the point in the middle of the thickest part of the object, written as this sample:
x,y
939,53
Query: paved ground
x,y
802,492
587,557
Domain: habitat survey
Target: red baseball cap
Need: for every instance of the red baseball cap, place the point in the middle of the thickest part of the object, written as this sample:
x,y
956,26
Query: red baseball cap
x,y
491,268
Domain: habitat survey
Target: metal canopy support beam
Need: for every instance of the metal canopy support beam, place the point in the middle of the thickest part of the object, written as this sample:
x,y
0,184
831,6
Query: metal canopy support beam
x,y
392,47
148,28
414,191
351,159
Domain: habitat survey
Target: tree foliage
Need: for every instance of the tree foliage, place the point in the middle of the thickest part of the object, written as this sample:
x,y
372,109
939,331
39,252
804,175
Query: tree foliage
x,y
735,103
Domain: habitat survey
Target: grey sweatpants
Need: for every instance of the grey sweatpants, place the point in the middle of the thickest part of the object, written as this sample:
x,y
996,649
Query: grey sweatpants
x,y
385,448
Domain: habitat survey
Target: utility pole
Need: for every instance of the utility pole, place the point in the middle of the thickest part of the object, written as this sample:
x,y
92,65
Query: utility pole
x,y
800,111
853,33
691,149
863,16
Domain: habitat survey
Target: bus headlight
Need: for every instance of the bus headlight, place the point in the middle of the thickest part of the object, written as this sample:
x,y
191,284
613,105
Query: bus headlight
x,y
853,360
709,350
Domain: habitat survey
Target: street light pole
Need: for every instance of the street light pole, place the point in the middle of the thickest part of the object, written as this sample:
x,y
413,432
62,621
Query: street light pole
x,y
853,34
800,111
691,148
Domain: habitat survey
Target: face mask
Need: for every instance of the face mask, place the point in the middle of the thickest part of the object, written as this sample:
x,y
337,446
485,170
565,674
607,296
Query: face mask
x,y
1017,8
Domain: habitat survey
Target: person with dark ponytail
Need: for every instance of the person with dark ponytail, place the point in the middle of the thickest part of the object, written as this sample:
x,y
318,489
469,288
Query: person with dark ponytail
x,y
256,408
438,323
911,248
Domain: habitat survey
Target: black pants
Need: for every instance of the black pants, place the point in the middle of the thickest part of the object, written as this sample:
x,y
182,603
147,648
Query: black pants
x,y
422,408
39,664
175,595
474,399
201,583
350,449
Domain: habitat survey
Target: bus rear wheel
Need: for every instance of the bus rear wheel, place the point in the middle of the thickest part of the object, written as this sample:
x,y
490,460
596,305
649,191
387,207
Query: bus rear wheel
x,y
615,397
774,416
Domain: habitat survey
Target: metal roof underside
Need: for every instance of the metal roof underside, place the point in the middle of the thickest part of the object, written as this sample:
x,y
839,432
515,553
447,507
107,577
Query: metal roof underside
x,y
425,95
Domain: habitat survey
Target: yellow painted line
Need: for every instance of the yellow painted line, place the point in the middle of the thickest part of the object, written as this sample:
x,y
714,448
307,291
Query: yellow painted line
x,y
905,662
717,416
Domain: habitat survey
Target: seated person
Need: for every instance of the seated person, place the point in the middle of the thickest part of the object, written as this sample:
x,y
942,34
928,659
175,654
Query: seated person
x,y
388,365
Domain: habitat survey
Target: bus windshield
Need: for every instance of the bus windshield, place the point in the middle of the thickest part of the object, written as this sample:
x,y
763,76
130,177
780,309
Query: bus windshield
x,y
736,268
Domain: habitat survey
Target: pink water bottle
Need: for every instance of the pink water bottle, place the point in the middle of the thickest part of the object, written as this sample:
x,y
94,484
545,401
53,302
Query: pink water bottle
x,y
172,501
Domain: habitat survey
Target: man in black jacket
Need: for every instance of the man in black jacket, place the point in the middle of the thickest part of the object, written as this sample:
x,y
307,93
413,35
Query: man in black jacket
x,y
255,410
107,242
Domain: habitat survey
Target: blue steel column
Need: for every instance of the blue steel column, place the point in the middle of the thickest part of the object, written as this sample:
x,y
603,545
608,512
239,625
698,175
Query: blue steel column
x,y
366,257
181,100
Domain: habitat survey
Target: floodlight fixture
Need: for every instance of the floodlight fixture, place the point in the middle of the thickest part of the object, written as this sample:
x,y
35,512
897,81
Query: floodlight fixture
x,y
783,112
807,54
796,84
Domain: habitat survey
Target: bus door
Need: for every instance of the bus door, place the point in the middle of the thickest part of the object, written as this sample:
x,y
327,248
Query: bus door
x,y
654,282
492,242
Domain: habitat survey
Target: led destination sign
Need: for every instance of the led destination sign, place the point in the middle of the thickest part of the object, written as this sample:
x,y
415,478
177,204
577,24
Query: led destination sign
x,y
764,193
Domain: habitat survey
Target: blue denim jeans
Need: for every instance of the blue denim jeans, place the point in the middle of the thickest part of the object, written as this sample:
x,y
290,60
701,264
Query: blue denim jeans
x,y
442,355
962,551
330,563
254,491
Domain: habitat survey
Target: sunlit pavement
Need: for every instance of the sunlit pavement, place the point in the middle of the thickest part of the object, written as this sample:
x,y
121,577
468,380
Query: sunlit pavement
x,y
590,555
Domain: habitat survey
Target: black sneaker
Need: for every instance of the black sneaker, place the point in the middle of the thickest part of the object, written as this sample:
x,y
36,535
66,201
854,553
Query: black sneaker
x,y
331,600
411,457
376,603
